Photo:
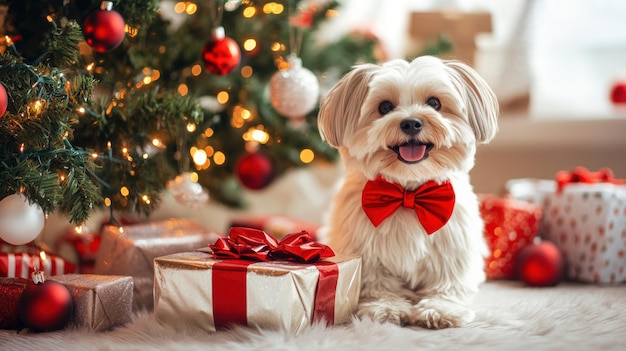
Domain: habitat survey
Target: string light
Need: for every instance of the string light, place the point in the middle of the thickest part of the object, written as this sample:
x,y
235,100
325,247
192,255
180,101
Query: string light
x,y
219,158
199,157
191,127
307,155
249,12
222,97
246,71
257,134
249,44
196,70
124,191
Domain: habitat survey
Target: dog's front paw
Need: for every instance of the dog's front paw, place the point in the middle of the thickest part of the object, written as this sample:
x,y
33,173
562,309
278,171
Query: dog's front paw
x,y
438,314
385,310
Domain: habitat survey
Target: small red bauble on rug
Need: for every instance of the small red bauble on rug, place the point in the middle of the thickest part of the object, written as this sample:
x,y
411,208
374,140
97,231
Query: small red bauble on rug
x,y
46,306
540,264
104,28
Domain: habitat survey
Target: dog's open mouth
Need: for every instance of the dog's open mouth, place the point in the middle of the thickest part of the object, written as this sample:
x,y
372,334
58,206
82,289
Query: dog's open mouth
x,y
412,151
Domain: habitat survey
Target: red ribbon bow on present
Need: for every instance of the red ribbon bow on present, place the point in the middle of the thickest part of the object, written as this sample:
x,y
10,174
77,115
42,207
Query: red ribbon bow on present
x,y
257,245
433,203
583,175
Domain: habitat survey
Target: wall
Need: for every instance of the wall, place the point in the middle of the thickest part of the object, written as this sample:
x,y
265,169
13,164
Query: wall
x,y
534,148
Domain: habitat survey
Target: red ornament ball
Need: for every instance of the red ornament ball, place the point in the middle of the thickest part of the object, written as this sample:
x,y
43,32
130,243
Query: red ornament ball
x,y
540,264
221,54
255,171
45,307
4,100
618,93
104,30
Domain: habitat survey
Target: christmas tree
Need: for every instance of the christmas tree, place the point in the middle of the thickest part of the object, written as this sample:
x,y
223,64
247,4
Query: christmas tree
x,y
106,103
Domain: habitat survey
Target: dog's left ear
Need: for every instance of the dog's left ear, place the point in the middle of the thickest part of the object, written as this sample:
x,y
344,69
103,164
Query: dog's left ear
x,y
482,103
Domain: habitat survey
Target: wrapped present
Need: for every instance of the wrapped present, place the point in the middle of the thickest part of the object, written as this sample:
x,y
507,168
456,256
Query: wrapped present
x,y
101,302
130,251
252,279
510,225
530,190
586,218
279,226
10,290
21,265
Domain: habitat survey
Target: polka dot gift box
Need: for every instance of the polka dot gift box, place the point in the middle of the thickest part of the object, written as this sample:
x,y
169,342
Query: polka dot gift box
x,y
586,218
510,225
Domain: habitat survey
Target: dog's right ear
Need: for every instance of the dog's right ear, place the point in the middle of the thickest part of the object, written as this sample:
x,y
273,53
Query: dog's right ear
x,y
341,108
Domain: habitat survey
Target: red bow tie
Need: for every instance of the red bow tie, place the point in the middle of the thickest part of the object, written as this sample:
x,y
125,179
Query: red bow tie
x,y
433,203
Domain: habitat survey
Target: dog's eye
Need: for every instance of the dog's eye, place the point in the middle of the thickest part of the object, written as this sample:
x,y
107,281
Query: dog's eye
x,y
434,103
385,107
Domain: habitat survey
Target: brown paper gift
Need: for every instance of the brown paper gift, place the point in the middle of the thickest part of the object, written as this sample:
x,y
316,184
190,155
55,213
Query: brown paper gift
x,y
130,251
277,294
101,302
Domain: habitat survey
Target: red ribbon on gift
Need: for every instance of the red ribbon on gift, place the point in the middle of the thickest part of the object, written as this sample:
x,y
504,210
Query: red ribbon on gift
x,y
245,246
583,175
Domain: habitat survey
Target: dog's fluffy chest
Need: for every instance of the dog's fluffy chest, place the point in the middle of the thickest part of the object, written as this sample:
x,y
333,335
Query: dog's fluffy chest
x,y
400,243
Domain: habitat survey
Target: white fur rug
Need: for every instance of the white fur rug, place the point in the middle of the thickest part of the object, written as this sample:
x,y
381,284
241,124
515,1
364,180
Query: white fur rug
x,y
509,317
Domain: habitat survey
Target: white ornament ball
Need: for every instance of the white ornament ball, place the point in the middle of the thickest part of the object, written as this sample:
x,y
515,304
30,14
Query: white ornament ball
x,y
20,221
294,92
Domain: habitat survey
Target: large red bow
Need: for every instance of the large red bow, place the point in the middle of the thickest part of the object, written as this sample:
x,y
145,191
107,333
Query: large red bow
x,y
257,245
583,175
433,203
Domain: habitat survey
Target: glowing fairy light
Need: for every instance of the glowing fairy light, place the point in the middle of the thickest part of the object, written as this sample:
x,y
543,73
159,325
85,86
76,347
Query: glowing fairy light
x,y
199,157
246,71
222,97
307,155
191,127
124,191
249,44
219,158
249,12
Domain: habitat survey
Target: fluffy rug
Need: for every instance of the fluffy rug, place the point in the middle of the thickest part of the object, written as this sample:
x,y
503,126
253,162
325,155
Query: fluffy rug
x,y
509,317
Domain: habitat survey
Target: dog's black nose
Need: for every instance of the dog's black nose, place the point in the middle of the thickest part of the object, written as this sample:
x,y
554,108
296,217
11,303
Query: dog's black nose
x,y
411,126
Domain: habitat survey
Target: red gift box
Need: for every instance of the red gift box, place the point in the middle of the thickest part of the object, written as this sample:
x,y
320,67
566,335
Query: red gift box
x,y
10,290
510,225
21,265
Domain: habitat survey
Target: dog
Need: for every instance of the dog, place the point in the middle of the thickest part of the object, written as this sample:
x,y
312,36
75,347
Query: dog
x,y
407,134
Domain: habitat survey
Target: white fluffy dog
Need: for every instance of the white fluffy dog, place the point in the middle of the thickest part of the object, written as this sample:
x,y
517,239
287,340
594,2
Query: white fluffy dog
x,y
407,134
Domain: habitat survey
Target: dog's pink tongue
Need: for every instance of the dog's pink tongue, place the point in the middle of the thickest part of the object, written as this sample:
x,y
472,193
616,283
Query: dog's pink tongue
x,y
412,152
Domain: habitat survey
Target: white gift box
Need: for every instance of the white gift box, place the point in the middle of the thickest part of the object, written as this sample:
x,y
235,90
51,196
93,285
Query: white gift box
x,y
588,223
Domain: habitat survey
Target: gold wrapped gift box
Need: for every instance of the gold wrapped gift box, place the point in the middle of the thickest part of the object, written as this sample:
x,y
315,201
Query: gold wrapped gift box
x,y
101,302
270,295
